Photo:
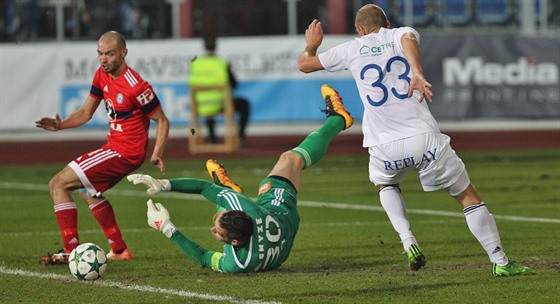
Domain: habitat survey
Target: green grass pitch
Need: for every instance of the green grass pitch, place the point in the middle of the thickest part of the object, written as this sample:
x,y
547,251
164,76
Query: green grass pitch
x,y
346,250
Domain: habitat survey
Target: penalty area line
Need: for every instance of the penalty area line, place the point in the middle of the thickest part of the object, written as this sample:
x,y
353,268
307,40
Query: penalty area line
x,y
141,288
332,205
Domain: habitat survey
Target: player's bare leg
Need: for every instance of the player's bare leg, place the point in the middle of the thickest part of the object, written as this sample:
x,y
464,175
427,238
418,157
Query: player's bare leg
x,y
315,145
66,214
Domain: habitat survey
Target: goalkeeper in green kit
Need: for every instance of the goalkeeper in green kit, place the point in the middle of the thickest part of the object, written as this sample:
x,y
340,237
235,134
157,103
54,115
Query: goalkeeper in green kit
x,y
257,236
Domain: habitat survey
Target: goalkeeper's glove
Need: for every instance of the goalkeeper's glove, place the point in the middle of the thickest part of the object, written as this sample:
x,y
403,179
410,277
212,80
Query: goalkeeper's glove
x,y
159,219
154,185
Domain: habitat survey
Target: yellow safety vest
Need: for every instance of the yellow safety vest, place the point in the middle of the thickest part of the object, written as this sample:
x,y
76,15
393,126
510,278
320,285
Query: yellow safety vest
x,y
209,71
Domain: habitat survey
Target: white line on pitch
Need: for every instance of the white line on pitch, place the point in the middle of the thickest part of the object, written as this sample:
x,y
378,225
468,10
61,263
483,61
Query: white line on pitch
x,y
136,193
191,228
142,288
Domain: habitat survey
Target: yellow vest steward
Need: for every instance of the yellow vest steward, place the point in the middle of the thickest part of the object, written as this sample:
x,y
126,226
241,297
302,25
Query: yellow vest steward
x,y
209,71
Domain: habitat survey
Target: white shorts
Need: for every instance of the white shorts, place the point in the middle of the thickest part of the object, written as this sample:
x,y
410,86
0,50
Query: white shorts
x,y
430,154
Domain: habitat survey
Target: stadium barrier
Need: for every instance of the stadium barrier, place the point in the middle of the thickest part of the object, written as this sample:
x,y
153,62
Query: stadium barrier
x,y
482,77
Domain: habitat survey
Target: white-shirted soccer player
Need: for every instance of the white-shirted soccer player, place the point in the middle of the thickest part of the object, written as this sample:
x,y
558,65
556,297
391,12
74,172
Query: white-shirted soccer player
x,y
399,130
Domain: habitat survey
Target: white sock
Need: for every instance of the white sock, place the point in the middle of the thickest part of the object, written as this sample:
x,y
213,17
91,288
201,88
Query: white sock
x,y
483,227
393,203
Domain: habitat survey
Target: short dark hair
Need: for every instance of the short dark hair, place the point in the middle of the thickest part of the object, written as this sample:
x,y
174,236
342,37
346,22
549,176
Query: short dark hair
x,y
210,43
238,225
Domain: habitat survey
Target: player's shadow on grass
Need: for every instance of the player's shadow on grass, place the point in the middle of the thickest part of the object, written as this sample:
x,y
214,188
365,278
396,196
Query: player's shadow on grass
x,y
371,294
343,258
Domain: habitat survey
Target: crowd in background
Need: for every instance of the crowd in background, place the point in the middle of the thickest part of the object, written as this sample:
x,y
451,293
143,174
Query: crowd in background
x,y
34,20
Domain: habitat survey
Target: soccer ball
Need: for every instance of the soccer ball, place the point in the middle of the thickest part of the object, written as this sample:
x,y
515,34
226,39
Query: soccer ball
x,y
87,262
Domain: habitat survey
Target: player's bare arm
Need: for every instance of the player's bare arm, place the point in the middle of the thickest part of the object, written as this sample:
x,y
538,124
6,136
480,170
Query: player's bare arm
x,y
162,134
75,119
309,61
418,82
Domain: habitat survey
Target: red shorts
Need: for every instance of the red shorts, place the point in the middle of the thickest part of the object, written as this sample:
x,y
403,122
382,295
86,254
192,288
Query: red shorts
x,y
101,169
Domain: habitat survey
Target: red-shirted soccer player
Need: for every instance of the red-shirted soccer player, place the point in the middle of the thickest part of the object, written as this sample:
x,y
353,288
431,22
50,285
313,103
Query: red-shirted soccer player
x,y
131,103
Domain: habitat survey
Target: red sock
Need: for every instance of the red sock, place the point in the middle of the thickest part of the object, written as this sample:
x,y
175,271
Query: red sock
x,y
105,216
67,218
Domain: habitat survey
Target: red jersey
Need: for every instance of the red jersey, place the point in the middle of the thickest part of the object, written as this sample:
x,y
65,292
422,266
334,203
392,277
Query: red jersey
x,y
129,100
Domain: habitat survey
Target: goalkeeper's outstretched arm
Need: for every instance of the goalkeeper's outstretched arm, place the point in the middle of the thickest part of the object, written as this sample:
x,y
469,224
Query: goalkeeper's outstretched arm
x,y
185,185
195,252
194,185
159,219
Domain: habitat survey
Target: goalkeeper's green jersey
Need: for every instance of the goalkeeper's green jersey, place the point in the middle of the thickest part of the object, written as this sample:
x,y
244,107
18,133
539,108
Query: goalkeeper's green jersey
x,y
275,219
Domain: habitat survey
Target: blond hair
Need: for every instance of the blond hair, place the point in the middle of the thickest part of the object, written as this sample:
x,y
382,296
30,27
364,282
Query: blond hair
x,y
371,17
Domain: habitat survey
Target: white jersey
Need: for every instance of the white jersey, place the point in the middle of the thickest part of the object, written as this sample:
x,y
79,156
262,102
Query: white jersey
x,y
382,75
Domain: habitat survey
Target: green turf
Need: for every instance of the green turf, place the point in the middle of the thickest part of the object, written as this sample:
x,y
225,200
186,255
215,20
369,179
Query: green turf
x,y
341,255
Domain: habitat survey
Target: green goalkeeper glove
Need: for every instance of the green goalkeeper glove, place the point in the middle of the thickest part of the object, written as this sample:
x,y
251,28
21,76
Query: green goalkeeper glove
x,y
159,219
154,185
